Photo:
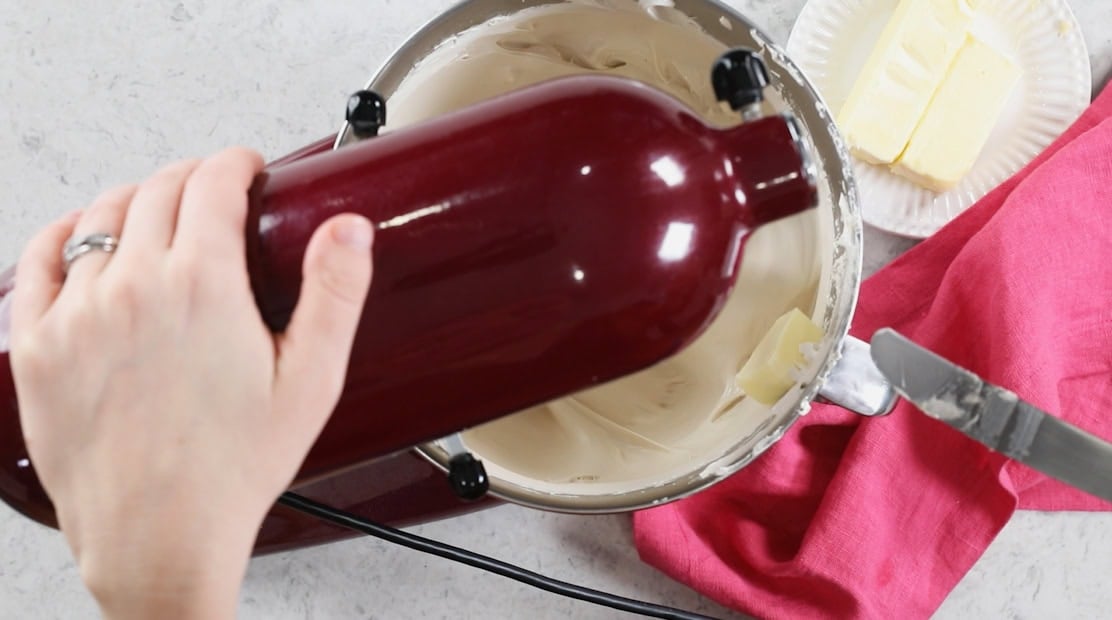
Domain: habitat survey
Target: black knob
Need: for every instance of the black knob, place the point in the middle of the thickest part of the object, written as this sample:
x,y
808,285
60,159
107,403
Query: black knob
x,y
366,113
739,78
468,477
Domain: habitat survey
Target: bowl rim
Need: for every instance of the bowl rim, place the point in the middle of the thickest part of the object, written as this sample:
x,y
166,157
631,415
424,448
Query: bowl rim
x,y
732,29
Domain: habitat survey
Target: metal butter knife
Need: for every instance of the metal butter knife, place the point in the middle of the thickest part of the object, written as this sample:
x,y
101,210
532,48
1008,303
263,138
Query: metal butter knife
x,y
994,416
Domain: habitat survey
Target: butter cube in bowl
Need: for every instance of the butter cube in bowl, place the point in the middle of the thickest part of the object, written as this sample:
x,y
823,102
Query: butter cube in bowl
x,y
772,369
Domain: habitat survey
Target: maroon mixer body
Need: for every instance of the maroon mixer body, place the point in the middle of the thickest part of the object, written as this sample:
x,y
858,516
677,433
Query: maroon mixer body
x,y
527,248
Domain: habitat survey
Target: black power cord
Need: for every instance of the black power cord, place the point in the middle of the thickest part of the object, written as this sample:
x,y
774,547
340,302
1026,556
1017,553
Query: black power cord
x,y
498,567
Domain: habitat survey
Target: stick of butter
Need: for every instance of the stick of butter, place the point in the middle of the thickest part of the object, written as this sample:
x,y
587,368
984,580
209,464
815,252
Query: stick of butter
x,y
901,75
960,119
767,374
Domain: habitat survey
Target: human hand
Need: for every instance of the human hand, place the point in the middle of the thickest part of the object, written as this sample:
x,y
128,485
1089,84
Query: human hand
x,y
161,415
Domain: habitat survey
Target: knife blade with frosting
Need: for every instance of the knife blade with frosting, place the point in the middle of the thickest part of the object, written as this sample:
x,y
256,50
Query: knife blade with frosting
x,y
994,416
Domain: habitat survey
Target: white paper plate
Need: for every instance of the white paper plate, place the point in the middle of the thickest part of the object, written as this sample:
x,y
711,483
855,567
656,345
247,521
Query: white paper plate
x,y
832,39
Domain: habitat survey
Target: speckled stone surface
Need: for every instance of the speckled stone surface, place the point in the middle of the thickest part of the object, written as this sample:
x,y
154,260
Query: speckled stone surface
x,y
101,92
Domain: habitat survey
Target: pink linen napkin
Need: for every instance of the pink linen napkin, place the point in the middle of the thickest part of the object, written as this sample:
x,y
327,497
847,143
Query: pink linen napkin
x,y
880,518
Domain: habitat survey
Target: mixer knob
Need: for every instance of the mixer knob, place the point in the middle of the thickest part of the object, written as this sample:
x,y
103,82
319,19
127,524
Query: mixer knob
x,y
739,78
468,477
366,113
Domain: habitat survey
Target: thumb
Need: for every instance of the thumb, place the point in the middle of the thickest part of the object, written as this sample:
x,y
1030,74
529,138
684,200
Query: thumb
x,y
313,353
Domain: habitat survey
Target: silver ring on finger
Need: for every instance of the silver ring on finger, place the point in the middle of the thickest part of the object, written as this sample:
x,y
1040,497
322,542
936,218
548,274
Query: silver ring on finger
x,y
77,247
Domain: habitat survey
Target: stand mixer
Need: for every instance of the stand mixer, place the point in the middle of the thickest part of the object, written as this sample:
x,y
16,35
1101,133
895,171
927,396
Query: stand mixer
x,y
529,247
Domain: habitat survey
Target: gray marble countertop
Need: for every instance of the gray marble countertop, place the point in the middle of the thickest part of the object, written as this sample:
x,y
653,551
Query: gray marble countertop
x,y
97,93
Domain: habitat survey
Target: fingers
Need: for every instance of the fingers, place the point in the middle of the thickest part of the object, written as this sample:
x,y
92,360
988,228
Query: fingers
x,y
214,205
105,215
313,354
153,214
39,276
209,198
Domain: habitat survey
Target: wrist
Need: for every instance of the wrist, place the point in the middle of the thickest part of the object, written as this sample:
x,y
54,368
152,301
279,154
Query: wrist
x,y
172,600
172,573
